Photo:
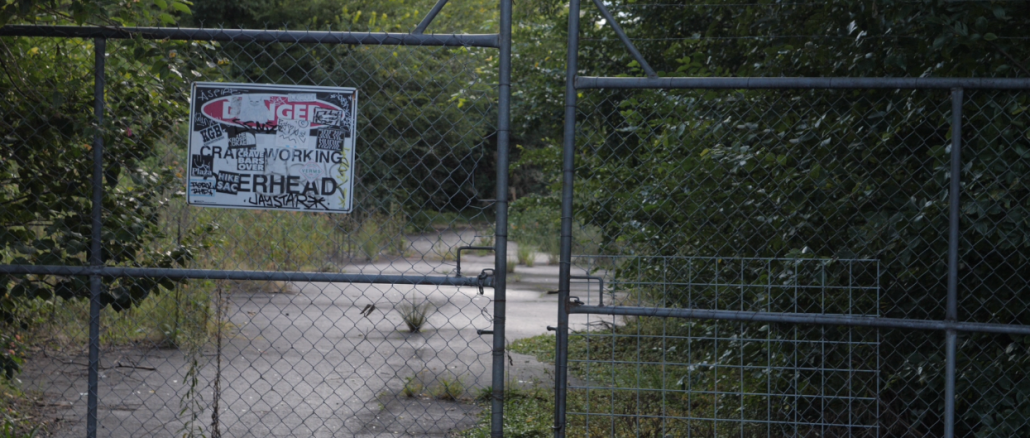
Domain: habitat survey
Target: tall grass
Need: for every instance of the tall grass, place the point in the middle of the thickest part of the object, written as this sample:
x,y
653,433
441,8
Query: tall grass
x,y
537,223
660,381
289,241
165,320
526,254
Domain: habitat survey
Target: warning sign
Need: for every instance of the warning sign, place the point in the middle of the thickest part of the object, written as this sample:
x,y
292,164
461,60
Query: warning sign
x,y
276,147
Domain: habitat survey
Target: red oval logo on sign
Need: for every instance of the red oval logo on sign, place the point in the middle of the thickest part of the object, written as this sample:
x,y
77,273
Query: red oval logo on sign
x,y
265,110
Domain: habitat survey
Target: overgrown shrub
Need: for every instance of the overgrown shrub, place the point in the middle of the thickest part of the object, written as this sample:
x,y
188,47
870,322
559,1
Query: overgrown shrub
x,y
12,354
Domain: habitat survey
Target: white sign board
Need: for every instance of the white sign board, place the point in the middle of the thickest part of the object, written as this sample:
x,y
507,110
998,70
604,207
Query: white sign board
x,y
272,147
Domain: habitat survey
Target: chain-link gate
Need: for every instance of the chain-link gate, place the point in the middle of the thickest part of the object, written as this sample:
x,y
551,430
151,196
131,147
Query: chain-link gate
x,y
793,256
292,323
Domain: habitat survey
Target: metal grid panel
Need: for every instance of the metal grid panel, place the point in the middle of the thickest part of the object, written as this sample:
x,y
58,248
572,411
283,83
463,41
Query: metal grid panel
x,y
648,376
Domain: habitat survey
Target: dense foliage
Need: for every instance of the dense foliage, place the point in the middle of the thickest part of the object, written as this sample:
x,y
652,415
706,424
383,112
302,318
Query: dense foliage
x,y
46,153
831,175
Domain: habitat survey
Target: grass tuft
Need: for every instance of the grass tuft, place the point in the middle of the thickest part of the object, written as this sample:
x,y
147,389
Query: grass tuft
x,y
528,413
450,389
413,386
415,313
527,254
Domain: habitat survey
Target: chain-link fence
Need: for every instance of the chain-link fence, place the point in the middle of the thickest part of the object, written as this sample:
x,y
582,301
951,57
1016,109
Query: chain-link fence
x,y
164,319
797,259
792,256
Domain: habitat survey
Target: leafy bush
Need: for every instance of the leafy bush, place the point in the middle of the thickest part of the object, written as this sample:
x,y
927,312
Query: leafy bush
x,y
12,354
535,221
46,152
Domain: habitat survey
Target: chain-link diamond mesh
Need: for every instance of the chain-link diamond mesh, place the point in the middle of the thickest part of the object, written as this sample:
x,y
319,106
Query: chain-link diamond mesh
x,y
787,203
256,358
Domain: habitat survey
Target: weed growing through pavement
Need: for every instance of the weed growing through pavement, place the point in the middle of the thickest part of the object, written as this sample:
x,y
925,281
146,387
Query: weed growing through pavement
x,y
415,312
413,386
447,388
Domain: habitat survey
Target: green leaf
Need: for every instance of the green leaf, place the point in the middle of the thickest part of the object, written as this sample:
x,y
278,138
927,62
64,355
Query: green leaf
x,y
990,36
181,7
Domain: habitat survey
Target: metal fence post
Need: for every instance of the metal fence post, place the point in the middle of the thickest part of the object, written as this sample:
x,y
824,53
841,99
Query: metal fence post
x,y
951,337
95,259
565,269
501,238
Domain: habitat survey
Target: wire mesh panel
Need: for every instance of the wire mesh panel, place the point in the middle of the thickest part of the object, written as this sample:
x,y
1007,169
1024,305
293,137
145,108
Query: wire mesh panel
x,y
653,376
712,209
263,358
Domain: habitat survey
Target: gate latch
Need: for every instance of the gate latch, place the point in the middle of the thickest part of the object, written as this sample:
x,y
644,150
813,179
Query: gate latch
x,y
572,302
485,279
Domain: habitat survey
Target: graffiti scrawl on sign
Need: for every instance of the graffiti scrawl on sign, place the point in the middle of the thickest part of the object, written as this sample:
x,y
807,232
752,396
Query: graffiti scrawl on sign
x,y
275,147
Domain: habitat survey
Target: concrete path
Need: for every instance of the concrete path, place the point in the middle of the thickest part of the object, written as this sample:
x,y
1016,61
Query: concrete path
x,y
321,360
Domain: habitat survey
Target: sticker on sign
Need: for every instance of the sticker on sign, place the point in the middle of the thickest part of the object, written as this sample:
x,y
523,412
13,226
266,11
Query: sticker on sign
x,y
272,147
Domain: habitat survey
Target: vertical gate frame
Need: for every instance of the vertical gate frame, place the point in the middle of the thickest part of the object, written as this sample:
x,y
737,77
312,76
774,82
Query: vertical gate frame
x,y
561,365
96,270
951,325
95,253
501,221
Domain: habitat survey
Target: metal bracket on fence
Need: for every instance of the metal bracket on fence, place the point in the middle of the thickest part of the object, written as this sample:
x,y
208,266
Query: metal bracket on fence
x,y
457,271
572,302
625,40
600,282
484,332
484,278
429,17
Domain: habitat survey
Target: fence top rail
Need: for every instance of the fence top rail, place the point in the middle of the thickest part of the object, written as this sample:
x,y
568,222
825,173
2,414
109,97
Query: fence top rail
x,y
219,274
593,82
255,35
804,319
